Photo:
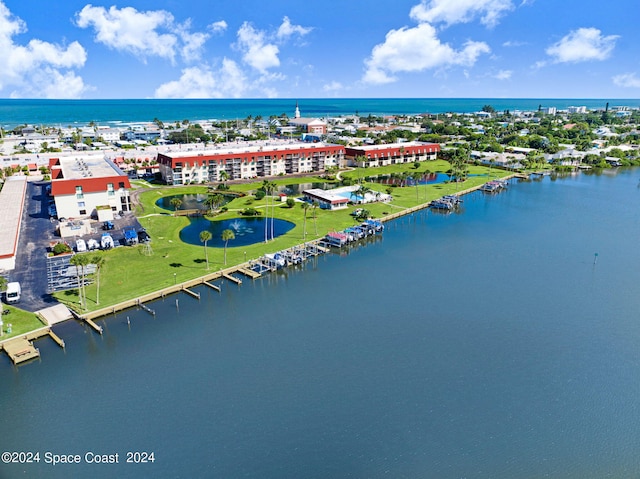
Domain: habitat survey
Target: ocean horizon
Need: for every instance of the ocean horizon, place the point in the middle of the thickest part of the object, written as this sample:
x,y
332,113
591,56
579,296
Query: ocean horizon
x,y
14,112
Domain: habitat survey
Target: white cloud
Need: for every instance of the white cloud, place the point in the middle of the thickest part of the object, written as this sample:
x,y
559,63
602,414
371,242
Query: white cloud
x,y
513,43
260,49
503,75
192,43
461,11
581,45
333,86
202,82
416,49
627,80
144,34
39,69
287,29
218,27
257,51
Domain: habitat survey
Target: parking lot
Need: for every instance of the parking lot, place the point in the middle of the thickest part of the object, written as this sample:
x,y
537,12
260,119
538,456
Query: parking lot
x,y
37,233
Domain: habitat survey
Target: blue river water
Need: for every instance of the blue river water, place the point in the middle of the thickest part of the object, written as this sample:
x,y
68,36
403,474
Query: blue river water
x,y
484,344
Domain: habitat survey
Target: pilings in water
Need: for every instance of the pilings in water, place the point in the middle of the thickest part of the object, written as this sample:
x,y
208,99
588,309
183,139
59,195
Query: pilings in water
x,y
212,286
21,348
147,308
232,278
191,293
97,328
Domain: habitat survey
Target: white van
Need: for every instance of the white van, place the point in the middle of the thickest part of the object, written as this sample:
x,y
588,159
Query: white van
x,y
13,293
81,246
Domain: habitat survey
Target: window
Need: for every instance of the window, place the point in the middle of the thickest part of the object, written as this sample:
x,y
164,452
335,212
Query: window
x,y
83,212
79,192
81,204
110,191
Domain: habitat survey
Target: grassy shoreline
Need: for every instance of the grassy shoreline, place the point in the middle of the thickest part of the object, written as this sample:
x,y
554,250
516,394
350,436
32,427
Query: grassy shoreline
x,y
128,273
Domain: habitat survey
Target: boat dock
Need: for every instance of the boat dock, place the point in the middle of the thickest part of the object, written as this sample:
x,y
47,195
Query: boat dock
x,y
232,278
21,349
267,263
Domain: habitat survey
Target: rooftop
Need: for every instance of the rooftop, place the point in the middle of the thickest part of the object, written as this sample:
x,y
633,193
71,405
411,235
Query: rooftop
x,y
87,166
247,147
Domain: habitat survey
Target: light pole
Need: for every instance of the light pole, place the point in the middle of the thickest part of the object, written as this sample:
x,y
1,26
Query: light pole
x,y
174,278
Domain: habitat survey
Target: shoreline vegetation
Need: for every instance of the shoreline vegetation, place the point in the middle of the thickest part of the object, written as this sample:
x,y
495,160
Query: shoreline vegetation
x,y
127,273
475,148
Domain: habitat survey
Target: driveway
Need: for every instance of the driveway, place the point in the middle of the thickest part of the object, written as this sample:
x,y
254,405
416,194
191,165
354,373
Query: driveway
x,y
36,231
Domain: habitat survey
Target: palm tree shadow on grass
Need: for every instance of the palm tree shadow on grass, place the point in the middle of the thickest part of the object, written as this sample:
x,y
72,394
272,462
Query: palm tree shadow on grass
x,y
175,265
199,261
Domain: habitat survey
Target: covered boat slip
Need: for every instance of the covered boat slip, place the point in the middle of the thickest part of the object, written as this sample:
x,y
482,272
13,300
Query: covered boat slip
x,y
11,204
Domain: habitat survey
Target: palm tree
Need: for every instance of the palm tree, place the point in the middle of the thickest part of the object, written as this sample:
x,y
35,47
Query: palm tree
x,y
99,261
209,202
272,188
80,261
360,192
314,210
226,236
224,176
305,207
218,199
265,187
176,203
205,236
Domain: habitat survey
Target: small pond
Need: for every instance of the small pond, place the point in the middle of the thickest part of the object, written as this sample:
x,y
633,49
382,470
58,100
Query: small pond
x,y
423,179
190,201
248,231
298,188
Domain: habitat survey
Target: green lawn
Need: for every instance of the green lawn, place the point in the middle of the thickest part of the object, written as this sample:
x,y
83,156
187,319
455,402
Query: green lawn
x,y
129,273
21,322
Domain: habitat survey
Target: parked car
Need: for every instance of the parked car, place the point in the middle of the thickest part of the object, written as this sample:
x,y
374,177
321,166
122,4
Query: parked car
x,y
81,246
143,236
107,225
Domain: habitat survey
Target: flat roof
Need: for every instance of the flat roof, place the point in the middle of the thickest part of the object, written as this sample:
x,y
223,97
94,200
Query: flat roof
x,y
248,147
78,167
11,204
330,196
387,146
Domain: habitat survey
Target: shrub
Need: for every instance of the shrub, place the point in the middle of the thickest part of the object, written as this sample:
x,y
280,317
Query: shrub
x,y
260,194
250,212
61,248
291,202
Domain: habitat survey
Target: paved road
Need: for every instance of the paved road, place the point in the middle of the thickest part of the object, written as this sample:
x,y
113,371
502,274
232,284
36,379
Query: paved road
x,y
36,231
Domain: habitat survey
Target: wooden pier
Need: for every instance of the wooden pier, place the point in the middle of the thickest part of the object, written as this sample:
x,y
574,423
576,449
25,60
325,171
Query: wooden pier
x,y
191,293
250,273
21,349
232,278
211,285
96,328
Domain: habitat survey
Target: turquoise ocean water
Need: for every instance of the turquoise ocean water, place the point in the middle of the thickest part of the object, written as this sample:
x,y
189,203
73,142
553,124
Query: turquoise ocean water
x,y
74,112
483,344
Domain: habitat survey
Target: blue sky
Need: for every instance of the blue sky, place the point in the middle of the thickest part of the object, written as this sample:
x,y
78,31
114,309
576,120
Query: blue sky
x,y
293,49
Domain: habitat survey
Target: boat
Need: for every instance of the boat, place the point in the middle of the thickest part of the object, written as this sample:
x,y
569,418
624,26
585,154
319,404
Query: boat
x,y
275,260
81,246
92,244
106,242
336,239
442,204
493,186
377,226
